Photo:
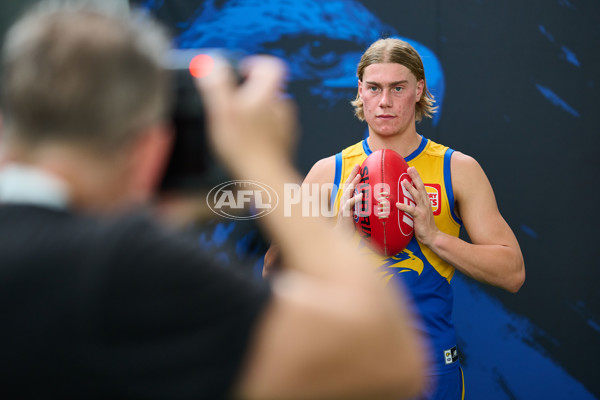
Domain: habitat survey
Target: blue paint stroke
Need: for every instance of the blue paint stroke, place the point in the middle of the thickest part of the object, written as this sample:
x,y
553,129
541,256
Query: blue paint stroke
x,y
258,268
230,250
219,236
151,5
566,3
529,231
321,41
585,313
222,232
570,56
546,33
501,357
555,100
246,245
594,325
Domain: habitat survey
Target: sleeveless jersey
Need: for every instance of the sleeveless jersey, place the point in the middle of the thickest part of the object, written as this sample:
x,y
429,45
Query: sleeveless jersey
x,y
418,269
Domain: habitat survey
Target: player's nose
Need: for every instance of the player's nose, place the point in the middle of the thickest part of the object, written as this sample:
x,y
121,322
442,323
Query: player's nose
x,y
385,100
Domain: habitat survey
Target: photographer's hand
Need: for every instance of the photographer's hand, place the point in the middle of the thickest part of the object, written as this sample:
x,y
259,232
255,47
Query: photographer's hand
x,y
252,123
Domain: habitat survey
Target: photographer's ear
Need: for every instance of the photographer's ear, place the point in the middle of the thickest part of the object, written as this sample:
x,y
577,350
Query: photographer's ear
x,y
151,152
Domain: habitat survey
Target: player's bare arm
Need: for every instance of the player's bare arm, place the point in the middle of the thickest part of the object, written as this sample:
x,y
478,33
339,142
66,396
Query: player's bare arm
x,y
493,256
322,171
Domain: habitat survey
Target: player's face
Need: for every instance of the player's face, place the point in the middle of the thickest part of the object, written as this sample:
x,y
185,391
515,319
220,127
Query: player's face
x,y
389,93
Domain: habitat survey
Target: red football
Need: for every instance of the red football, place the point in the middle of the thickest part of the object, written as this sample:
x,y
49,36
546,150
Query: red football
x,y
387,229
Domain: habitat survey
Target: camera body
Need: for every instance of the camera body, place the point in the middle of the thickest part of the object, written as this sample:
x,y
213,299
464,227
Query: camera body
x,y
192,166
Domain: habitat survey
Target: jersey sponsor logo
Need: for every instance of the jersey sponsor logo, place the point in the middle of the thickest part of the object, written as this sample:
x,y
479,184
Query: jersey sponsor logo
x,y
434,190
242,199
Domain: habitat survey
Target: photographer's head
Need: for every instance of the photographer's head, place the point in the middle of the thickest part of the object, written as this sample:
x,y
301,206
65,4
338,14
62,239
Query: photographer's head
x,y
86,84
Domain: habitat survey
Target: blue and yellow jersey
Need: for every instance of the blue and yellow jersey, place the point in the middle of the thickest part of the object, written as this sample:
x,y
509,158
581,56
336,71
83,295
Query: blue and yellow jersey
x,y
421,272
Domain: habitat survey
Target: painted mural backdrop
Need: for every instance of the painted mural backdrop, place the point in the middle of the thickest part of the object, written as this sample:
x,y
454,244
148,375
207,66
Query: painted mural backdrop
x,y
517,85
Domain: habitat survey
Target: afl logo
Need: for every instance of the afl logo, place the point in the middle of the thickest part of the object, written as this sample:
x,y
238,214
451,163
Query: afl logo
x,y
405,221
242,200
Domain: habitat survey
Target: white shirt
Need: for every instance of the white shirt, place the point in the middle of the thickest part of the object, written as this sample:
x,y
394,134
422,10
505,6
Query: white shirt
x,y
24,184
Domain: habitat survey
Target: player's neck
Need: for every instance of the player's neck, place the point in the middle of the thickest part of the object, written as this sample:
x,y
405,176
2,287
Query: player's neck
x,y
404,144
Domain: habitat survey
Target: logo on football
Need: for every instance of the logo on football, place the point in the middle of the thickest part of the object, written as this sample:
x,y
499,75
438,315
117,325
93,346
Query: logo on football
x,y
387,229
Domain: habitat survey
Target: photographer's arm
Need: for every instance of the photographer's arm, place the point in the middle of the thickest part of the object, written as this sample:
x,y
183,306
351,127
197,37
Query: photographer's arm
x,y
321,173
332,329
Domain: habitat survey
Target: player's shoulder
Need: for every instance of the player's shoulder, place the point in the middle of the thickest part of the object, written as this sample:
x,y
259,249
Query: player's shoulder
x,y
467,175
463,163
322,171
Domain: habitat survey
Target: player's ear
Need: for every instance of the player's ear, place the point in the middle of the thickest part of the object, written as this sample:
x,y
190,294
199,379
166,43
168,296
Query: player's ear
x,y
420,86
360,88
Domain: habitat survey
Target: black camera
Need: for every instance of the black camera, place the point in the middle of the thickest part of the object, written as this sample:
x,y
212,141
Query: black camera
x,y
191,165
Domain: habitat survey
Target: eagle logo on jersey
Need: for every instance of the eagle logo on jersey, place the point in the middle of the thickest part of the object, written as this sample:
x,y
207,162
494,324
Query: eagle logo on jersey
x,y
405,261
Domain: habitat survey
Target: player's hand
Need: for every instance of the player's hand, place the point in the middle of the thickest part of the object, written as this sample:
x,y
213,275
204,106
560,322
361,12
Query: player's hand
x,y
425,229
253,121
345,218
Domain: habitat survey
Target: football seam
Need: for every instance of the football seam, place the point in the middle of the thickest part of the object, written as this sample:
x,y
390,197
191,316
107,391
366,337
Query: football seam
x,y
385,248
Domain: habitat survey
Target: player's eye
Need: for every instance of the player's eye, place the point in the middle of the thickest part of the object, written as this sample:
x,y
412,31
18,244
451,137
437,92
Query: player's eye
x,y
398,89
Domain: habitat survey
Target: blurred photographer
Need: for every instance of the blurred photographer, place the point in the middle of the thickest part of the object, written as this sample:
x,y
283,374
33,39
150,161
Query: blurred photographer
x,y
98,302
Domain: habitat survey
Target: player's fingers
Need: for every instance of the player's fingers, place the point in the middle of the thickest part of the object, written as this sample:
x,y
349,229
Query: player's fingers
x,y
410,210
350,184
350,203
414,192
416,178
353,173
